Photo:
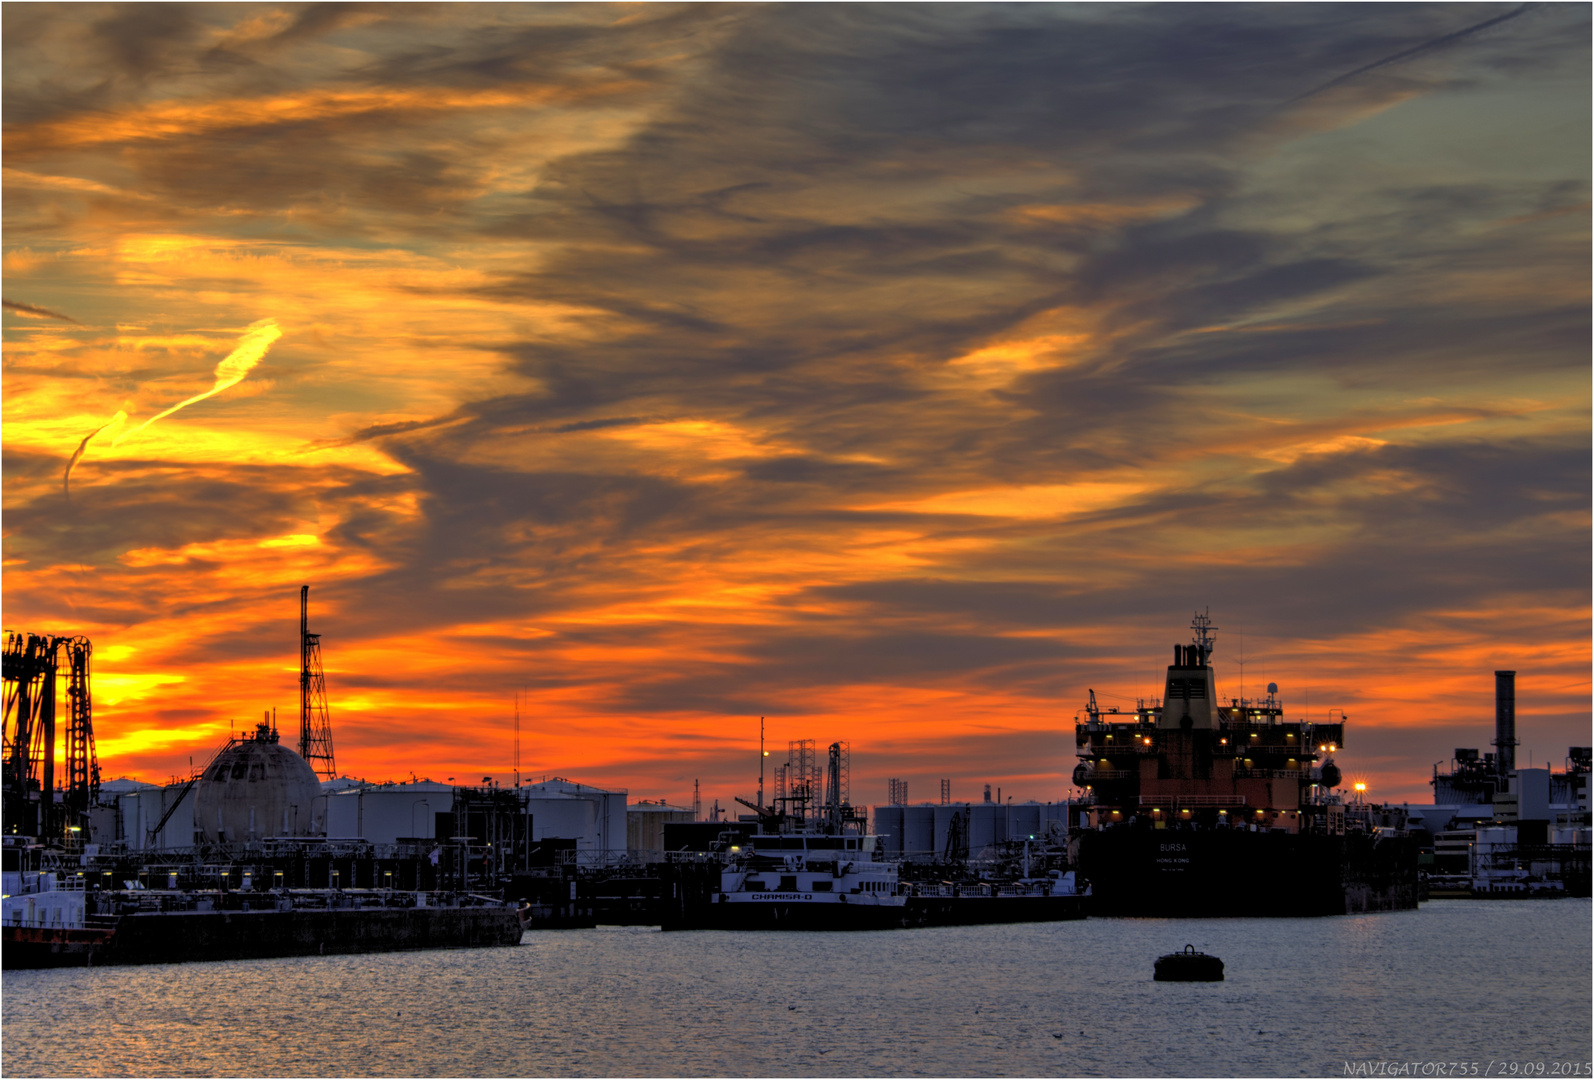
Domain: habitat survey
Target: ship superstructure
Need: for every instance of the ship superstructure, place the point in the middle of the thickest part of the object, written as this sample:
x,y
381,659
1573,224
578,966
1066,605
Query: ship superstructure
x,y
1190,760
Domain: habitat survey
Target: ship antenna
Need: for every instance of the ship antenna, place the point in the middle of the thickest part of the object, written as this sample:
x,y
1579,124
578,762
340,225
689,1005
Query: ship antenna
x,y
1206,635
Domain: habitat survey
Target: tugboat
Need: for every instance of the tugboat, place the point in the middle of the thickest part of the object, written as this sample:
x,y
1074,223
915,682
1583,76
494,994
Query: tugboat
x,y
1200,809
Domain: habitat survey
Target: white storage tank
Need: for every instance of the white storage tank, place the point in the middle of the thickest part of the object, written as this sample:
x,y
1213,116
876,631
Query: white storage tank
x,y
388,813
918,831
564,809
888,827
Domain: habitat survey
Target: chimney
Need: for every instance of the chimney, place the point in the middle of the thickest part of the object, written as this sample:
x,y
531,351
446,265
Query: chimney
x,y
1505,721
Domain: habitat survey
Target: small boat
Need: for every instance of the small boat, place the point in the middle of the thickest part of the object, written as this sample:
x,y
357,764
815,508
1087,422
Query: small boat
x,y
1188,966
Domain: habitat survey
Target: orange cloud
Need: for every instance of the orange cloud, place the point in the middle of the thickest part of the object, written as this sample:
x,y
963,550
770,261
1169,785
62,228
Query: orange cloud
x,y
182,119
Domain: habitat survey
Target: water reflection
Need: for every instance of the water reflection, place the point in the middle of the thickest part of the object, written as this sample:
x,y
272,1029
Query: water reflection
x,y
1458,980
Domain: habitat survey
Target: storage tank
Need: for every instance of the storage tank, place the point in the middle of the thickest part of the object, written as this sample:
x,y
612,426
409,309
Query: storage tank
x,y
987,826
888,826
256,788
918,831
1025,820
388,813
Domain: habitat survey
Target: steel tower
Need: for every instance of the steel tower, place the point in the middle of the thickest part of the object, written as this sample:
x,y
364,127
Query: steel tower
x,y
315,728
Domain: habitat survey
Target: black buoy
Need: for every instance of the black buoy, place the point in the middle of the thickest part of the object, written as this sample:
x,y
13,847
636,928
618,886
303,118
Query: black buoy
x,y
1188,966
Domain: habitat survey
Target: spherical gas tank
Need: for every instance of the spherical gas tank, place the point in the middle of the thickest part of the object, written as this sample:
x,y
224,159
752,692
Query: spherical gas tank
x,y
257,788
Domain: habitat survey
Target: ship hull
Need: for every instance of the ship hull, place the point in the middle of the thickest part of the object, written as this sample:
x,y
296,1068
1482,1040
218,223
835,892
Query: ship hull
x,y
181,937
979,910
53,946
725,912
718,911
1155,873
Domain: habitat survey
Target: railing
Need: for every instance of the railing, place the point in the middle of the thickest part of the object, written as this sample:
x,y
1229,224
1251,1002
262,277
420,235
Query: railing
x,y
1192,800
1137,743
1114,774
1243,773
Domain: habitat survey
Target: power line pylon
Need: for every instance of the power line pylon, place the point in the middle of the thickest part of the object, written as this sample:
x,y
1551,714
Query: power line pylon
x,y
315,727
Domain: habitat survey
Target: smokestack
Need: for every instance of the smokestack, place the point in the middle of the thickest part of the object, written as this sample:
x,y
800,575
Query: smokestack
x,y
1505,721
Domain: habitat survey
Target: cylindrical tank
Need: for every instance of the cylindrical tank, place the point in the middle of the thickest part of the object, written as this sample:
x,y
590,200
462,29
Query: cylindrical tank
x,y
1024,821
888,826
987,825
256,788
918,830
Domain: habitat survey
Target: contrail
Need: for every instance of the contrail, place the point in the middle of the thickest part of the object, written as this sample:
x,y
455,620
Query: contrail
x,y
43,313
230,372
1438,42
119,418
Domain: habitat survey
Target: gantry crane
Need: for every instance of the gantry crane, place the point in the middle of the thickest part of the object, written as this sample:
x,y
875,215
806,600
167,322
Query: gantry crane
x,y
30,664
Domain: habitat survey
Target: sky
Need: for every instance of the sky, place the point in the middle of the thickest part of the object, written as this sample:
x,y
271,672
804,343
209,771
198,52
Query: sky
x,y
898,374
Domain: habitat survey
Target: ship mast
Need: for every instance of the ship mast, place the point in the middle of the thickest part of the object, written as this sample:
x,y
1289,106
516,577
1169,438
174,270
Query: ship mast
x,y
1206,635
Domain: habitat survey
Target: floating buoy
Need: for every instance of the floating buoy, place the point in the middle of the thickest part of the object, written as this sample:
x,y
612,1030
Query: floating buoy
x,y
1188,966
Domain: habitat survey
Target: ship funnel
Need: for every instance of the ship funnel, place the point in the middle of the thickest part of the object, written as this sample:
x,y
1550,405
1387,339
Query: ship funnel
x,y
1189,696
1505,721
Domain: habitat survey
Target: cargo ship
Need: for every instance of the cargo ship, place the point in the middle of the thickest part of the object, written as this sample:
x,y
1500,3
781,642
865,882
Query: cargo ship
x,y
1195,808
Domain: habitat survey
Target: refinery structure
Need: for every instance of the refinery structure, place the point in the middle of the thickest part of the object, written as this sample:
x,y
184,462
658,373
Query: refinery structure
x,y
1187,800
1499,828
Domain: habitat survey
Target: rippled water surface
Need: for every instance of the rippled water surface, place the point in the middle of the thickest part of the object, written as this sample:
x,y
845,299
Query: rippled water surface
x,y
1484,981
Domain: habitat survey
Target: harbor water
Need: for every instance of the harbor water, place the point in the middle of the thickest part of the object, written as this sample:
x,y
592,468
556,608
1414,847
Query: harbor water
x,y
1504,985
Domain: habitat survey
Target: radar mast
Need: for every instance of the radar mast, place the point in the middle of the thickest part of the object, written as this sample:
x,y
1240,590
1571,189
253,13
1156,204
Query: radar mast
x,y
1206,635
